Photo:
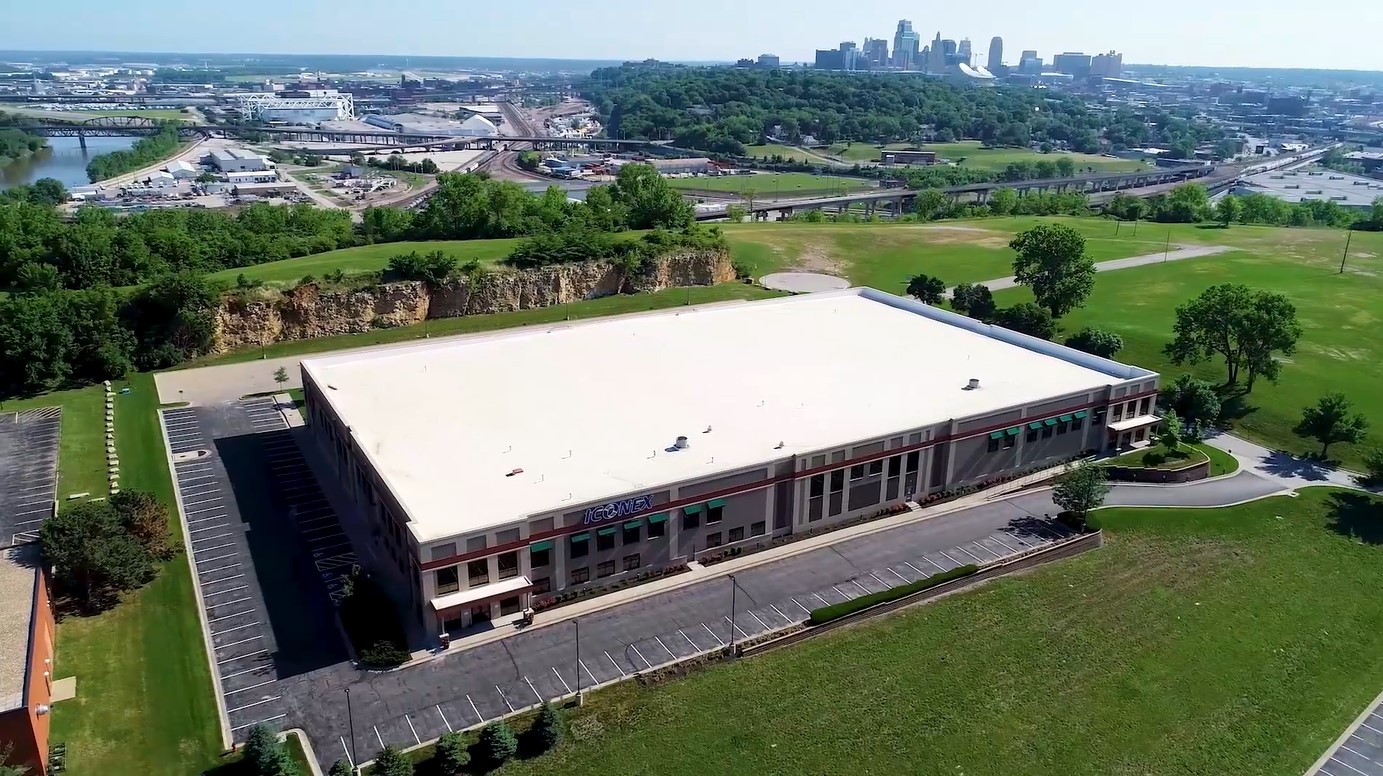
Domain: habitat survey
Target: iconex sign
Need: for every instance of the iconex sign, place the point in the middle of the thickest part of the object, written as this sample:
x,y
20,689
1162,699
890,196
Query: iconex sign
x,y
617,509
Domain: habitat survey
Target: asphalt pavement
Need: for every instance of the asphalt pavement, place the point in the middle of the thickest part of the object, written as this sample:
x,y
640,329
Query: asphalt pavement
x,y
28,471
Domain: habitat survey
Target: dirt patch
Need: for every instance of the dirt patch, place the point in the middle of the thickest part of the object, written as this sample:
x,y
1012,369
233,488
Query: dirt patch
x,y
814,258
960,235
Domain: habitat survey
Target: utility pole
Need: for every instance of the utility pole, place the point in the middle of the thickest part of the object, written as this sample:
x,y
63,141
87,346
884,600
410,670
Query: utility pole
x,y
1348,237
577,623
351,718
1168,250
734,587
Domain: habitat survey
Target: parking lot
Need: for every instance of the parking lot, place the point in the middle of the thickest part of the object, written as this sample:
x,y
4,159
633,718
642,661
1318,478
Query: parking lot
x,y
28,471
456,691
1361,753
258,605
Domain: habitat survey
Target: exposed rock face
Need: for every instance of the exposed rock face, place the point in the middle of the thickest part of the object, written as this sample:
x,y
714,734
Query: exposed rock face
x,y
308,311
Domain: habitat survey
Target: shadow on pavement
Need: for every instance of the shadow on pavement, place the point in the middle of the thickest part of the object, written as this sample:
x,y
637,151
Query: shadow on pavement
x,y
1357,516
1283,464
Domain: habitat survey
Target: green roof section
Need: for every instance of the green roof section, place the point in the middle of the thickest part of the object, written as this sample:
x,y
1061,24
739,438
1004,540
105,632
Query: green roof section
x,y
634,524
1066,418
1049,422
1015,431
608,531
545,544
1082,414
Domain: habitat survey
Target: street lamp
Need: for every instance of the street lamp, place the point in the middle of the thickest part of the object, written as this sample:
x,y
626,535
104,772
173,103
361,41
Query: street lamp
x,y
734,587
351,719
577,624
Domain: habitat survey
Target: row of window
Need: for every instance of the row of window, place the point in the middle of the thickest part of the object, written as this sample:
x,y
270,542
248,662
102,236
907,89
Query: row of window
x,y
1043,430
1134,408
477,572
607,569
605,540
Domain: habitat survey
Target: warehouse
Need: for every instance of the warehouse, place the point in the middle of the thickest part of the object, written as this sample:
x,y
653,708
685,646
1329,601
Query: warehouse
x,y
500,466
417,124
236,160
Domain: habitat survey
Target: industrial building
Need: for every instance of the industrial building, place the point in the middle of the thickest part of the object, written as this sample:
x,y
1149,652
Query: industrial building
x,y
309,106
682,166
182,170
228,160
26,658
1295,186
510,466
418,124
907,157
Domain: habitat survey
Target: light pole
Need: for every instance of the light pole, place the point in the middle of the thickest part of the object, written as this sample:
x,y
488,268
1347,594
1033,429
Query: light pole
x,y
577,623
351,719
1168,250
1348,237
734,587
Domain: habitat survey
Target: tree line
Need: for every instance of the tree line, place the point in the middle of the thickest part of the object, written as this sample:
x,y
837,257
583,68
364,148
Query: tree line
x,y
1189,203
15,143
145,151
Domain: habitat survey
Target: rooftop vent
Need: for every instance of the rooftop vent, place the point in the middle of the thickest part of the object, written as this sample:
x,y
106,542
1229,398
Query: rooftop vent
x,y
681,443
513,472
973,385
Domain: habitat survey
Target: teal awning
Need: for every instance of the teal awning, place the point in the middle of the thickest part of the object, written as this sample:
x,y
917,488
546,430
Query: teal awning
x,y
581,537
997,435
1082,414
1065,418
716,502
545,544
692,509
658,518
1049,422
634,524
1035,426
1015,431
608,531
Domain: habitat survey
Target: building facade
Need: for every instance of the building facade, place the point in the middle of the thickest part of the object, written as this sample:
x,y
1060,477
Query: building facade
x,y
27,635
453,581
1072,63
906,44
995,62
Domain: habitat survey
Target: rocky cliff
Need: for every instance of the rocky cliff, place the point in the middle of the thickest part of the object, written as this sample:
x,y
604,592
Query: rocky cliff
x,y
311,311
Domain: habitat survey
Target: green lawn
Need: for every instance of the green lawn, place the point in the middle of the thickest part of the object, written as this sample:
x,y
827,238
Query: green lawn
x,y
82,447
366,258
1221,463
80,115
767,185
1158,457
144,700
594,308
969,153
1196,641
863,152
790,153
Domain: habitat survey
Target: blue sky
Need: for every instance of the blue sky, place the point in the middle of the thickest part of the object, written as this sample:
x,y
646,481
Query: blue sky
x,y
1262,33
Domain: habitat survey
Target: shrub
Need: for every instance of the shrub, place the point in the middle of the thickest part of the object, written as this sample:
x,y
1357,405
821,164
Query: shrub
x,y
497,744
341,768
547,730
1373,466
826,614
265,754
452,754
146,519
384,654
391,762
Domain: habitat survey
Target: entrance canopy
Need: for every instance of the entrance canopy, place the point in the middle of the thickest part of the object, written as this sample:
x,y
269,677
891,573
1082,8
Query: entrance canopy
x,y
482,594
1141,421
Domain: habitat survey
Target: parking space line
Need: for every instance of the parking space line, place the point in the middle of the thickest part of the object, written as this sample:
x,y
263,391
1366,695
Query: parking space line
x,y
800,606
198,503
1336,759
207,519
641,657
412,729
880,581
1371,727
213,560
211,538
378,738
236,628
238,643
780,613
689,641
664,646
225,579
251,687
505,698
261,722
478,715
862,587
613,663
976,558
217,547
560,679
943,554
713,634
252,705
589,675
896,574
241,657
347,750
536,694
756,617
444,718
996,538
204,530
246,671
736,628
823,601
227,603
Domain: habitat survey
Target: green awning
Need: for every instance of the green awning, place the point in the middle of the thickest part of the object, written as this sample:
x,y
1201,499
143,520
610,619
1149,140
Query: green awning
x,y
608,531
581,537
659,518
1015,431
691,509
1066,418
1035,426
634,524
1049,422
1082,414
716,502
997,435
545,544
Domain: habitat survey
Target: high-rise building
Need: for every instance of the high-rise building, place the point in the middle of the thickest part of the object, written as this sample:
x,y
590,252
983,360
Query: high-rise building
x,y
1030,63
936,56
829,59
996,55
905,46
1109,65
1072,63
963,52
849,55
875,52
770,61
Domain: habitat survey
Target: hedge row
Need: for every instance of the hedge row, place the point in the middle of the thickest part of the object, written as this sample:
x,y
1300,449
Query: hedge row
x,y
835,611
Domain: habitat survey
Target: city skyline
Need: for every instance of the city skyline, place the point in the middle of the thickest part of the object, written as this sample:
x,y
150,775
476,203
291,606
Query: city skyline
x,y
624,29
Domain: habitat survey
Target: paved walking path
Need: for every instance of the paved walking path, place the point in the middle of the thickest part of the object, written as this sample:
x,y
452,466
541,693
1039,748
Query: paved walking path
x,y
1182,252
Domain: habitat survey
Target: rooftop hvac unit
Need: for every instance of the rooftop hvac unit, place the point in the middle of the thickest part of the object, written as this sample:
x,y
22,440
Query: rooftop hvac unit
x,y
681,443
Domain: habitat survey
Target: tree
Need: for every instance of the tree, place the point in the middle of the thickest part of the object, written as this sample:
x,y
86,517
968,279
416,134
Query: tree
x,y
1248,328
497,743
1192,400
975,300
1002,202
266,755
927,289
452,754
736,214
341,768
1173,433
206,177
547,730
1185,204
1027,318
1065,168
1081,490
281,376
529,160
1096,342
93,557
1329,421
146,519
1228,210
1373,466
930,203
651,201
1052,262
391,762
34,277
1126,207
47,191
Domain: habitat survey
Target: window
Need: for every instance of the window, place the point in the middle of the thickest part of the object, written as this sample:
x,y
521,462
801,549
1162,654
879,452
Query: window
x,y
1078,423
1032,435
509,605
508,565
1145,405
1118,413
714,514
690,520
606,569
631,533
837,480
657,528
1046,432
542,585
876,468
580,576
539,558
448,580
814,510
478,572
818,485
632,562
1010,441
895,465
993,444
580,545
856,472
913,458
1142,432
713,540
758,529
605,539
736,535
1060,428
443,551
1098,419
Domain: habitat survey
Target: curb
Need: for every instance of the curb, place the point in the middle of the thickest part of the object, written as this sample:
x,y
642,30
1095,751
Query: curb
x,y
312,762
1349,731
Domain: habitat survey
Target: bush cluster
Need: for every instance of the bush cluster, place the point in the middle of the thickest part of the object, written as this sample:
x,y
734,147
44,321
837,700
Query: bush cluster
x,y
826,614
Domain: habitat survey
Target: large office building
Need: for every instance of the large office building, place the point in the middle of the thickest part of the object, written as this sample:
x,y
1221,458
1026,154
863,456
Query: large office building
x,y
906,45
875,53
1110,65
26,658
995,62
492,468
1072,63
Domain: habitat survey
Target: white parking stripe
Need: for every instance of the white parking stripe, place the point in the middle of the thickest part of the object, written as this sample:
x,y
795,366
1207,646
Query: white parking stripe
x,y
246,671
236,628
478,715
410,727
261,722
560,679
713,634
641,657
241,657
448,724
252,705
612,662
660,643
251,687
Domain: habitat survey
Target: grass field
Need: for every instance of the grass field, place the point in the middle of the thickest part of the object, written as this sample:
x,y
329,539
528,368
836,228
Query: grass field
x,y
1239,640
766,185
1157,457
76,115
1221,463
970,153
144,702
787,152
366,258
82,447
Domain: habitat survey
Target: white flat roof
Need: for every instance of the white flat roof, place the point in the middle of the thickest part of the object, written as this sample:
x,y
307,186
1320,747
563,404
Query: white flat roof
x,y
588,410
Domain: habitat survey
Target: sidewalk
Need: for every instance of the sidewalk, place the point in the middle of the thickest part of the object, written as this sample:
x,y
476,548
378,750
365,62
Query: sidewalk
x,y
1292,471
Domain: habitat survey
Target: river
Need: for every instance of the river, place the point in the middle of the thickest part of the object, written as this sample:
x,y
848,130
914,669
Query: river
x,y
63,159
